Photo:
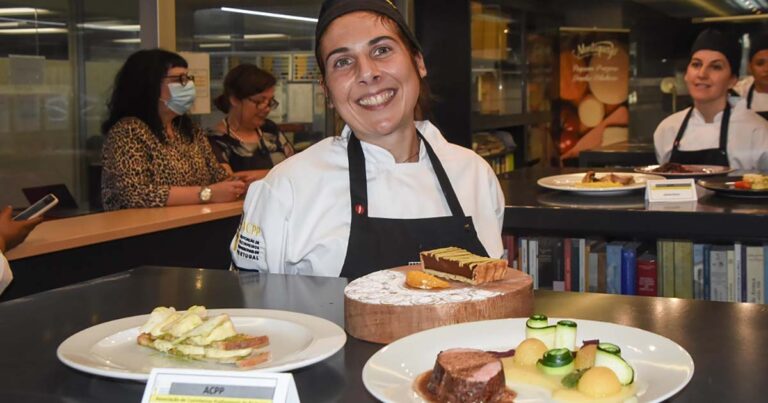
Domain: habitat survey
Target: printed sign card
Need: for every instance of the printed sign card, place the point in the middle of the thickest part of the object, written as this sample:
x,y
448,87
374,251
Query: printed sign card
x,y
670,190
211,386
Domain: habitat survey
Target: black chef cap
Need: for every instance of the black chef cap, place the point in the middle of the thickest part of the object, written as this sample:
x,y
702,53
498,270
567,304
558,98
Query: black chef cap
x,y
332,9
711,39
757,43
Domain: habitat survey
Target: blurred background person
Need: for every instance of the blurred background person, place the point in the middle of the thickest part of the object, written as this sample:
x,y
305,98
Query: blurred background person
x,y
245,142
12,233
712,131
754,88
153,155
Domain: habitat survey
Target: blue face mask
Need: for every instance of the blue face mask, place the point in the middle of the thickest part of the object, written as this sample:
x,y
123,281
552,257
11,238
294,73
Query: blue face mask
x,y
182,97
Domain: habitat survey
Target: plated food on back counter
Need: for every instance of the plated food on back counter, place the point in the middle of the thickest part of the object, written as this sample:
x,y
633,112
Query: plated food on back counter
x,y
747,185
598,183
673,169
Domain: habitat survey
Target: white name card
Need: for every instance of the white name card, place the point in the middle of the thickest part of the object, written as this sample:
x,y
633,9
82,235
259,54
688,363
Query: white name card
x,y
670,190
177,385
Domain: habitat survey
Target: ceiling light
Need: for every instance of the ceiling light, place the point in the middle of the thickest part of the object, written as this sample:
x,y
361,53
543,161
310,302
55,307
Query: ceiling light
x,y
14,31
112,27
8,24
271,15
127,40
264,36
32,22
214,45
23,11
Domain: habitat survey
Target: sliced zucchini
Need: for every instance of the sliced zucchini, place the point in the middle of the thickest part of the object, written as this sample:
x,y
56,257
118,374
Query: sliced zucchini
x,y
609,348
537,321
565,335
545,334
558,361
615,363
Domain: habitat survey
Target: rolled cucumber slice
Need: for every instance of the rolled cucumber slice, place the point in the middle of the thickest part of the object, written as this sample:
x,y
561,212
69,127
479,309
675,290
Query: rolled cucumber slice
x,y
558,361
545,334
565,335
615,363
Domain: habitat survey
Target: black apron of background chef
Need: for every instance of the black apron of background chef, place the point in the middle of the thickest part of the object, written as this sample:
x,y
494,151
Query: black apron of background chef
x,y
711,156
750,94
380,243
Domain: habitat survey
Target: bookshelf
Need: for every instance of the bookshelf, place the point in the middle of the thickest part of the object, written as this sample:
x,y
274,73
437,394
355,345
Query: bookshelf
x,y
715,223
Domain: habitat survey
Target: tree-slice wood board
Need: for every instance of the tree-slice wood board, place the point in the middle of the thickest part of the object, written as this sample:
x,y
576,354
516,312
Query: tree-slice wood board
x,y
381,308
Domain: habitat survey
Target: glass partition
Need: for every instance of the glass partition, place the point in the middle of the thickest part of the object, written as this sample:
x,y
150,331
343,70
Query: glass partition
x,y
57,62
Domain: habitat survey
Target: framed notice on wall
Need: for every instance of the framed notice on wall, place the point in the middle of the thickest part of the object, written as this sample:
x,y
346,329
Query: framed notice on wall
x,y
200,68
594,87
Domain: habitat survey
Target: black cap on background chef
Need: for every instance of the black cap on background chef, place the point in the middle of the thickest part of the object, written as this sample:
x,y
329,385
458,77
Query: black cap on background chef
x,y
757,43
332,9
712,39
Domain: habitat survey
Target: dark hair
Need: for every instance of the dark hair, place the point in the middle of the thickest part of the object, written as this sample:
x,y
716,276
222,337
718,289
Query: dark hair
x,y
242,82
423,105
136,92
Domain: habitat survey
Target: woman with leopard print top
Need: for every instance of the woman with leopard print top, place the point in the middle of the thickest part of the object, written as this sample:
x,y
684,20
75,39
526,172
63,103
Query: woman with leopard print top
x,y
153,156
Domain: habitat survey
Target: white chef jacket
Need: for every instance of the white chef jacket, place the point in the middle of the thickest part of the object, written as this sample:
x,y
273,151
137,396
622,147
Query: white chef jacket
x,y
747,137
759,99
297,219
6,275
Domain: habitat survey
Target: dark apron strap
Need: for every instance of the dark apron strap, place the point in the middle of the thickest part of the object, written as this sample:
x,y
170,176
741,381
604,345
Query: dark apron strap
x,y
681,130
359,184
750,93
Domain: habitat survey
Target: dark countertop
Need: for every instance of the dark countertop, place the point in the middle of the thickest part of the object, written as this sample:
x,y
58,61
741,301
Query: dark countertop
x,y
534,210
724,339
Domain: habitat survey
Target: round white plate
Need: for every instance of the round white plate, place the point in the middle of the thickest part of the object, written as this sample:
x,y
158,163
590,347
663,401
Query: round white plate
x,y
696,170
568,183
110,349
661,366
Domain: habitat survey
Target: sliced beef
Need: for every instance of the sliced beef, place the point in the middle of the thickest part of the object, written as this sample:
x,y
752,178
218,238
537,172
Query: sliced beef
x,y
467,375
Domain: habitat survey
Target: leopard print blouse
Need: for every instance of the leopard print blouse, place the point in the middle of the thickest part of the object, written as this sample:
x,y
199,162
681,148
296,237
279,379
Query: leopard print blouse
x,y
139,170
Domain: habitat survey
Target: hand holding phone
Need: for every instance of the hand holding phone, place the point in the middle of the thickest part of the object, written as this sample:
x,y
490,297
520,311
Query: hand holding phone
x,y
37,209
14,232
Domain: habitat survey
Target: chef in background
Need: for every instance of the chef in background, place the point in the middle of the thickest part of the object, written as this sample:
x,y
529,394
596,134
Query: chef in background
x,y
390,185
754,88
712,131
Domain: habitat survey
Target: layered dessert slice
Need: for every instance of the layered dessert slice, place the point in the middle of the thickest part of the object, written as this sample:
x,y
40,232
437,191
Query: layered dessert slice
x,y
461,265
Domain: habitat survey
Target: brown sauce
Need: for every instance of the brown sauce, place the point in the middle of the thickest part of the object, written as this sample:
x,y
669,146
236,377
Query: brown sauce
x,y
420,386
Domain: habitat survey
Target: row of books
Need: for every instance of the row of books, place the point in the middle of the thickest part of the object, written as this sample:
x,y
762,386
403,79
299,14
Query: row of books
x,y
669,268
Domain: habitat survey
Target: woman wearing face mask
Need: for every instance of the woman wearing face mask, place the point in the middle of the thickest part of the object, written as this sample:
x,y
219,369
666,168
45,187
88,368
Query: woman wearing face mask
x,y
712,132
245,142
390,185
153,156
754,88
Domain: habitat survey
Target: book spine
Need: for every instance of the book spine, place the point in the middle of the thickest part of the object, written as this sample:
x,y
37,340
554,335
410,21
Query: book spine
x,y
628,270
583,261
683,269
613,267
718,267
698,271
731,276
533,265
593,263
524,255
755,286
739,269
667,268
646,276
567,262
510,243
707,291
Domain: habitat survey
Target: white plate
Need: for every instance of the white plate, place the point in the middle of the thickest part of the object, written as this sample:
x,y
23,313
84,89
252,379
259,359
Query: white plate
x,y
110,349
661,366
568,183
697,170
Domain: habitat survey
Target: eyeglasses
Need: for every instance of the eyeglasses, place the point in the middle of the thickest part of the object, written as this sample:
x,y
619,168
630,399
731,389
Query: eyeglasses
x,y
183,79
272,103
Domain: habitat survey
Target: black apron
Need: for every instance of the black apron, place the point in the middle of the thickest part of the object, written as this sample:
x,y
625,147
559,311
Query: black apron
x,y
711,156
380,243
763,114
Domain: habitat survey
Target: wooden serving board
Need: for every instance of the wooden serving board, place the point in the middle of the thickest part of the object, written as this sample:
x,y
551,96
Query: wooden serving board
x,y
381,308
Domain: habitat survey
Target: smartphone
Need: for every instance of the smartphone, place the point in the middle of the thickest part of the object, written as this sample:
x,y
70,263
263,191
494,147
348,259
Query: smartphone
x,y
40,207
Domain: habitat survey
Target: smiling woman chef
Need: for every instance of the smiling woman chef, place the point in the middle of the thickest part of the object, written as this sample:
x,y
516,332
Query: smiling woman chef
x,y
712,131
389,186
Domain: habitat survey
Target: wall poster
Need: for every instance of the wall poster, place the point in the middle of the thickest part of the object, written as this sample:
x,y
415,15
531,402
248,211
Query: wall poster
x,y
594,86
